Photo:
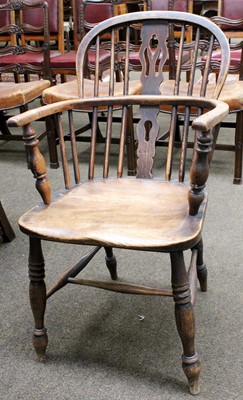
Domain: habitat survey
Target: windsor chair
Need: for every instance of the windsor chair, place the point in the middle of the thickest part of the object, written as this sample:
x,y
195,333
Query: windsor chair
x,y
108,210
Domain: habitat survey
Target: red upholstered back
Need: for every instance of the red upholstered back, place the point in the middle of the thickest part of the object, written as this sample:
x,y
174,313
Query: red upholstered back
x,y
4,15
181,5
163,5
160,5
232,9
94,13
33,16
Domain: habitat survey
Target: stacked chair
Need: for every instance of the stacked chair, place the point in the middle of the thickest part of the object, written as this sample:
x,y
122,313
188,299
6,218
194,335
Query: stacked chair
x,y
230,19
87,14
108,210
18,57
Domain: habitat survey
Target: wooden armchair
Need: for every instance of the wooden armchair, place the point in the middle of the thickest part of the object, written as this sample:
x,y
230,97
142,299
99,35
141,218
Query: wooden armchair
x,y
162,214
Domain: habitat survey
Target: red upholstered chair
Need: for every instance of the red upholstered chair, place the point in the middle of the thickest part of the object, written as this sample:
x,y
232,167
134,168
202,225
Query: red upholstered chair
x,y
86,14
21,57
230,19
28,51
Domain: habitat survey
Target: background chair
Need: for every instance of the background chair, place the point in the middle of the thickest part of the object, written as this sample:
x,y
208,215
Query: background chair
x,y
21,56
230,19
83,13
86,16
109,210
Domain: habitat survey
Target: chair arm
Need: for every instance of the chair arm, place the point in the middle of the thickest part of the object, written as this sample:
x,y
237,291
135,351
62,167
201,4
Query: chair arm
x,y
218,109
212,117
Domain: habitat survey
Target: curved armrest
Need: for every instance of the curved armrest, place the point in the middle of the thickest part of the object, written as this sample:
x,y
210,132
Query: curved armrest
x,y
211,118
218,110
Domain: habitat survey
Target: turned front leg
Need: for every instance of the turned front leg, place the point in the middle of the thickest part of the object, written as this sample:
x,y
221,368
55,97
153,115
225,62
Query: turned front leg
x,y
185,321
37,293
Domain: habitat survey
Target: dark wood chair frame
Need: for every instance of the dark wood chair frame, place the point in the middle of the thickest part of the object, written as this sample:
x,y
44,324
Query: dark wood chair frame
x,y
118,219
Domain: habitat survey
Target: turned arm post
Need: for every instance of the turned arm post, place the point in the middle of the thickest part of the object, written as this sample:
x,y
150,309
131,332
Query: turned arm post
x,y
37,163
199,170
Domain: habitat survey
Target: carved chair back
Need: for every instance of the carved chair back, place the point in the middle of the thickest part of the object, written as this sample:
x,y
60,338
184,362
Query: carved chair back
x,y
88,13
21,55
154,28
5,20
56,19
230,20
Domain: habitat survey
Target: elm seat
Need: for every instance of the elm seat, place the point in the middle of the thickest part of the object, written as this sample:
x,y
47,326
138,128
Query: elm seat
x,y
68,217
235,57
17,94
232,93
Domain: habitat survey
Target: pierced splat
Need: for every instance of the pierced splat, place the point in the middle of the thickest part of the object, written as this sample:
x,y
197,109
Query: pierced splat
x,y
153,48
147,133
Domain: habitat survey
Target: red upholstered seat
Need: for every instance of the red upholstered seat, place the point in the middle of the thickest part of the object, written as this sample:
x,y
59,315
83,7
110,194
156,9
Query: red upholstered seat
x,y
235,57
68,59
27,58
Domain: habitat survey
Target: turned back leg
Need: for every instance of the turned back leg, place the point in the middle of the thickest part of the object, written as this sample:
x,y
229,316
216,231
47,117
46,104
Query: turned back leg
x,y
185,321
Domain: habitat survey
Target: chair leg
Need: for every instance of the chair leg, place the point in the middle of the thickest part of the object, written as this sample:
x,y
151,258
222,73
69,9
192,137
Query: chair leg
x,y
111,263
6,230
238,148
201,267
37,293
185,321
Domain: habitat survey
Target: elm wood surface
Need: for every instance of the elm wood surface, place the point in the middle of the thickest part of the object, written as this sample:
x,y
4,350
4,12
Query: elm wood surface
x,y
18,95
106,210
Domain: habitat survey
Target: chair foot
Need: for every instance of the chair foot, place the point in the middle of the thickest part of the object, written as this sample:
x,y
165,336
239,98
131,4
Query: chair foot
x,y
202,274
40,341
54,165
237,181
191,368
